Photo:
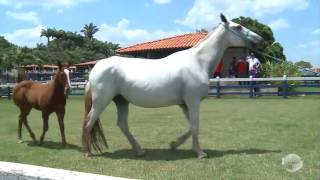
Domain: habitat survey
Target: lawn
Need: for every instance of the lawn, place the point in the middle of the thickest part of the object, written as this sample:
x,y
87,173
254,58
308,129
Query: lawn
x,y
244,138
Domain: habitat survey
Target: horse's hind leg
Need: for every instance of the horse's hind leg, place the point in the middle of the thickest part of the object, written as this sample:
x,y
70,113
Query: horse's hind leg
x,y
24,112
123,109
45,118
180,140
22,116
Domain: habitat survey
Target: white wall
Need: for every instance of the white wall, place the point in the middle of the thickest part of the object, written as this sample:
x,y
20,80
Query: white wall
x,y
16,171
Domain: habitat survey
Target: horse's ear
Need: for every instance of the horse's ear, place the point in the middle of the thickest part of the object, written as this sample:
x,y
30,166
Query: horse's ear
x,y
224,19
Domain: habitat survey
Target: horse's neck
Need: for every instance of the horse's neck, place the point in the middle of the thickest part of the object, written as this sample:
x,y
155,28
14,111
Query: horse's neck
x,y
210,51
57,87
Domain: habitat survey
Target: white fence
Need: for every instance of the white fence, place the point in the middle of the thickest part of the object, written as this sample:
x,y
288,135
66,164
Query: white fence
x,y
222,86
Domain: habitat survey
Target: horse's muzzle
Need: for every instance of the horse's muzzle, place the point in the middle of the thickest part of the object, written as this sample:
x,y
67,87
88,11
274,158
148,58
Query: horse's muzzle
x,y
67,91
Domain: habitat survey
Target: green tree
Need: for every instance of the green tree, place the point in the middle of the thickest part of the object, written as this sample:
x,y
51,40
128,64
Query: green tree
x,y
7,54
89,30
45,33
303,64
269,46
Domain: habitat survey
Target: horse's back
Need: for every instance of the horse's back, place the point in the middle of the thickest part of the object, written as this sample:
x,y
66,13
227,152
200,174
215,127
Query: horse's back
x,y
28,93
148,83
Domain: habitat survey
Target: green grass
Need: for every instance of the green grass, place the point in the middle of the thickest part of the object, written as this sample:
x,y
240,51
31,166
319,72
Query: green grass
x,y
244,138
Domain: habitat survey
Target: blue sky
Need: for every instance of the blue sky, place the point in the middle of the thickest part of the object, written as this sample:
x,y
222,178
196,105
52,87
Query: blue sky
x,y
295,23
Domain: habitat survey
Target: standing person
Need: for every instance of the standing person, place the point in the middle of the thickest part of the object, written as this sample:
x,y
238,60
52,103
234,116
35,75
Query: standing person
x,y
218,70
232,68
241,70
254,68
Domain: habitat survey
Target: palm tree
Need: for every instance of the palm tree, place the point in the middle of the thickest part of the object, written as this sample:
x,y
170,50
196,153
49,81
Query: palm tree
x,y
45,32
89,30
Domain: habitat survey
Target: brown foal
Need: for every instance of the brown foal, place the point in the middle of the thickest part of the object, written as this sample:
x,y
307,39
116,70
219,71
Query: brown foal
x,y
48,98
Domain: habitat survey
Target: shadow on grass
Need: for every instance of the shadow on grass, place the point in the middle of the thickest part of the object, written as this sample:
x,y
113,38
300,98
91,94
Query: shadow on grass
x,y
56,145
169,155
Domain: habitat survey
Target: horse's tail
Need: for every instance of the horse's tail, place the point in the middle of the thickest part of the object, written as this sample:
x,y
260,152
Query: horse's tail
x,y
95,138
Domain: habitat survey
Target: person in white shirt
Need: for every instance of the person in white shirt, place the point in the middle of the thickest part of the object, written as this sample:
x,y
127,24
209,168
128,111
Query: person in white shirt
x,y
254,65
254,70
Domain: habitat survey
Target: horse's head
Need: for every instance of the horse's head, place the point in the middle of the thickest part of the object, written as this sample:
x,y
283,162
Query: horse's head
x,y
240,36
63,77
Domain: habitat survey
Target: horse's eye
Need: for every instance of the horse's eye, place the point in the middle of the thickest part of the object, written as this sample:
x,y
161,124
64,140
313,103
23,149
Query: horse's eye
x,y
238,27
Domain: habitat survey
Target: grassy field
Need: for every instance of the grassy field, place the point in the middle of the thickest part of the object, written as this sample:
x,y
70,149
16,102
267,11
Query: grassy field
x,y
244,138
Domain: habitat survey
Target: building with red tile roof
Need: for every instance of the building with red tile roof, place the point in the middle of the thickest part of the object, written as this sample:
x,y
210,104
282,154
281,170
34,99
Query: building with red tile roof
x,y
164,47
171,44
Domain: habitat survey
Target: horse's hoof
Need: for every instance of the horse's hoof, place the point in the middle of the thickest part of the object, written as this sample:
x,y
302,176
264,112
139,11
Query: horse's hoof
x,y
88,155
202,155
64,144
173,145
20,141
141,153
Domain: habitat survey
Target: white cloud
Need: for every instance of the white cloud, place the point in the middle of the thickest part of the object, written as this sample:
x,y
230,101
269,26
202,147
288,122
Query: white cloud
x,y
29,16
310,44
26,37
122,34
316,32
309,51
43,3
162,1
205,13
279,24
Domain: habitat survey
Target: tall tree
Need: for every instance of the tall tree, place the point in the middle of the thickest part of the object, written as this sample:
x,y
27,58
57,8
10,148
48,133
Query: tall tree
x,y
89,30
44,32
270,46
303,64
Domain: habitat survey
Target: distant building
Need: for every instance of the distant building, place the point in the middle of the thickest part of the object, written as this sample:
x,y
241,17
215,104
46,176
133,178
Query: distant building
x,y
86,65
315,69
164,47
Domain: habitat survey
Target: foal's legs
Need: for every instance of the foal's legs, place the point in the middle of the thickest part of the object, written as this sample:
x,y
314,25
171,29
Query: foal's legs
x,y
60,115
180,140
45,118
24,112
123,109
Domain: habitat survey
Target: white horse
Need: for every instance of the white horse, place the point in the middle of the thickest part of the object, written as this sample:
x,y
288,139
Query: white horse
x,y
181,78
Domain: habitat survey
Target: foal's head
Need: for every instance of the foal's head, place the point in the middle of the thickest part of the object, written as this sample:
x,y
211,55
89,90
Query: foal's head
x,y
63,78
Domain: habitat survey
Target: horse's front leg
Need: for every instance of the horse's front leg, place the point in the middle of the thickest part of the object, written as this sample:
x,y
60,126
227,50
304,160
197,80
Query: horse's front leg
x,y
180,140
45,118
194,108
60,115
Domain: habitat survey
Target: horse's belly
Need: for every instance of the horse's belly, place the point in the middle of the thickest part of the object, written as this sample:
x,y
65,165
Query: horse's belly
x,y
153,98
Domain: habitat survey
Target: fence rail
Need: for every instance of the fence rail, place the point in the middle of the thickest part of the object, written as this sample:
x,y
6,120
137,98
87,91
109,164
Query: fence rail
x,y
280,86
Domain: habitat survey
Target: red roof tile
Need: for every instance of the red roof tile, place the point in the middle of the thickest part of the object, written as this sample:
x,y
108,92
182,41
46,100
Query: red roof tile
x,y
177,42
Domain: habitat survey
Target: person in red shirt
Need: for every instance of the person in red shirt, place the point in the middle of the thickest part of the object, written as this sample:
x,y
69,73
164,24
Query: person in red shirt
x,y
219,69
241,69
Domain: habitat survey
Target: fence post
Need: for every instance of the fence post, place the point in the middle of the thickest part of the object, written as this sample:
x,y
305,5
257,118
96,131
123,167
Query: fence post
x,y
218,86
285,86
8,87
251,87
